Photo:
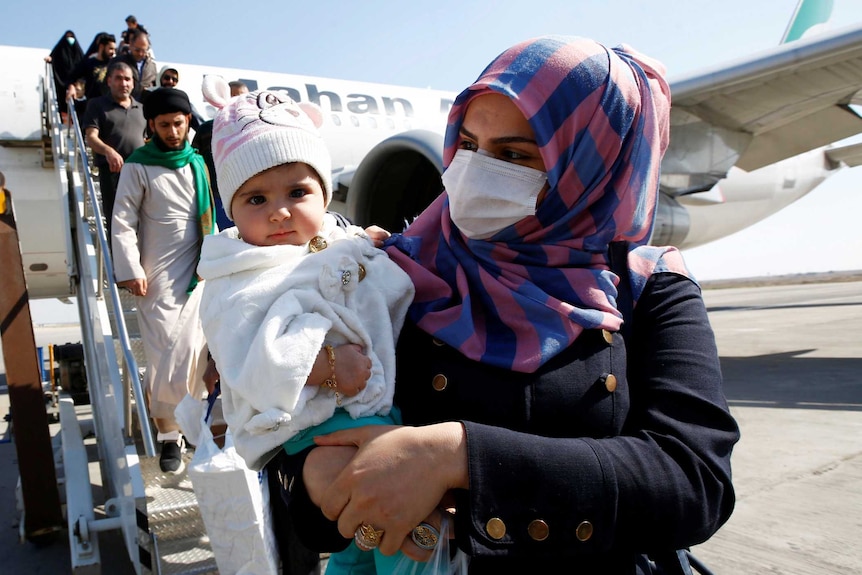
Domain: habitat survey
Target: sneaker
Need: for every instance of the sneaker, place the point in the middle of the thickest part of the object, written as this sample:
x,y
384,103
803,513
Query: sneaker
x,y
171,458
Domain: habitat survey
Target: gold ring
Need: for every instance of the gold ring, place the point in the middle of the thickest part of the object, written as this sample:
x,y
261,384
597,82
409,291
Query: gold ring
x,y
425,536
367,537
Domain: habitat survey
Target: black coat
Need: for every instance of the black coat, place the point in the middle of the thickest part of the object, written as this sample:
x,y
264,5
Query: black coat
x,y
64,59
573,470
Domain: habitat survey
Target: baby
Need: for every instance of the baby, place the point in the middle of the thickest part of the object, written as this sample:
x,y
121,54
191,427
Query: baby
x,y
301,312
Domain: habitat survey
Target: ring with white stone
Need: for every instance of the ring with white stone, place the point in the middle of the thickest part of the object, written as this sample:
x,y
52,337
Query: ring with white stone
x,y
425,536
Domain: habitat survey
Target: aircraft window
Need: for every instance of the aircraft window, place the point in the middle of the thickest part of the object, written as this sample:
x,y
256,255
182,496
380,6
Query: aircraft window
x,y
336,119
354,120
372,123
390,123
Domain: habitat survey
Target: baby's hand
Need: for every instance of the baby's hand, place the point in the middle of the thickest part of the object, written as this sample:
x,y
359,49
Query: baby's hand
x,y
352,369
377,235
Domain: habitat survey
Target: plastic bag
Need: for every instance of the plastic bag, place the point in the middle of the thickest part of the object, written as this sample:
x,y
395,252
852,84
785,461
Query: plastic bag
x,y
232,503
189,415
442,562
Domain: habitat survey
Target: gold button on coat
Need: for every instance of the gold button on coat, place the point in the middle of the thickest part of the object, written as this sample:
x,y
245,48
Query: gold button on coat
x,y
608,336
611,382
538,530
317,244
496,528
439,382
584,531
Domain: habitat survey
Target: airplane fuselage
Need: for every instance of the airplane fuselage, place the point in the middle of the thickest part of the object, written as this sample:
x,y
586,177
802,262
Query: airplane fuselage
x,y
386,143
745,198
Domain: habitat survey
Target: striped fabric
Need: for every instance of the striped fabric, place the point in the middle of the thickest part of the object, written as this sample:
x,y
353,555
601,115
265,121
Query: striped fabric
x,y
600,117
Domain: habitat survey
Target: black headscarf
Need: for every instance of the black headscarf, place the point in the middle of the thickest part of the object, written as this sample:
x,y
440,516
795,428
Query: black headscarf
x,y
64,58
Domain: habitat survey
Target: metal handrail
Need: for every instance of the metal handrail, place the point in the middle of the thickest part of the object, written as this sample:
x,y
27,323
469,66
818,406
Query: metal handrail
x,y
77,161
107,267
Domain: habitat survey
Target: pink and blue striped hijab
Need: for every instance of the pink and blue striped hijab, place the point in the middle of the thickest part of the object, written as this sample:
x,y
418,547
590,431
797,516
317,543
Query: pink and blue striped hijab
x,y
517,299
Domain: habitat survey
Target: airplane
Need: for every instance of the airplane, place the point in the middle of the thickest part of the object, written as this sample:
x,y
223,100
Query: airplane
x,y
747,139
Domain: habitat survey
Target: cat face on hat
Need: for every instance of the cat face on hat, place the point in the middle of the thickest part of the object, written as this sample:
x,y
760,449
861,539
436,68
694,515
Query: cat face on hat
x,y
259,130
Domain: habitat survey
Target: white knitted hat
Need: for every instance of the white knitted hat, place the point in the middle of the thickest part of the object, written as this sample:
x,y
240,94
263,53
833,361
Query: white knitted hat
x,y
260,130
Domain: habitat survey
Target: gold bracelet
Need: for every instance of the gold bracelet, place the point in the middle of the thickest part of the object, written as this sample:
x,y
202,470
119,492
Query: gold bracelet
x,y
330,382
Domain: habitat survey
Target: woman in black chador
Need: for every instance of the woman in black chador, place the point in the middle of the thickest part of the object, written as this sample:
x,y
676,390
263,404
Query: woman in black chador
x,y
64,57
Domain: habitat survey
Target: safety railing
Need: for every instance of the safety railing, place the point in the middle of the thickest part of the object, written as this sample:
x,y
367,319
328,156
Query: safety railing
x,y
83,196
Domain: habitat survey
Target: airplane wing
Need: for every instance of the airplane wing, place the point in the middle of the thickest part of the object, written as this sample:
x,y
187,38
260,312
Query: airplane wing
x,y
762,109
849,155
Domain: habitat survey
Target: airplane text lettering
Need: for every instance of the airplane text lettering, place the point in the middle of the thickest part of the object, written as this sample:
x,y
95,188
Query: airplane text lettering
x,y
354,103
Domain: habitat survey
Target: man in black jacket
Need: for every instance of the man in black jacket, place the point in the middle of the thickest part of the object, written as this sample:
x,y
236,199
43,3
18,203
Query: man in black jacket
x,y
93,70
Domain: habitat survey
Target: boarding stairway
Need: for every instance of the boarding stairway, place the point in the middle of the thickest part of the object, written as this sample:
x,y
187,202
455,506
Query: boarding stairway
x,y
155,513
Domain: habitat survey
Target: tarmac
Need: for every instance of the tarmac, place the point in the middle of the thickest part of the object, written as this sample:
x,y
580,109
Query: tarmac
x,y
792,361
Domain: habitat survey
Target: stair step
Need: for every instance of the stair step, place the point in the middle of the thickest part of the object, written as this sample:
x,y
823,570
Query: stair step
x,y
174,520
172,509
190,556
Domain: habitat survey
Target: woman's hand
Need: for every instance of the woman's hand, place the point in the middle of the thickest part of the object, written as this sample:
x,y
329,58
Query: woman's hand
x,y
322,467
377,235
397,479
436,520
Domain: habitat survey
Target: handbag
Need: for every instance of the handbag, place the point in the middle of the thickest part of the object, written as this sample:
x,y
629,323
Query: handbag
x,y
233,502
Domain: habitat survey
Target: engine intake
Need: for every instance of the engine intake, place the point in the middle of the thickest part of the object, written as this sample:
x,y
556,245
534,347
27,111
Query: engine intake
x,y
396,180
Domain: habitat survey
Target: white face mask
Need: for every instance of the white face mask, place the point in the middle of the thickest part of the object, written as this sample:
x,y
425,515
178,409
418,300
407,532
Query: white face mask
x,y
70,40
487,195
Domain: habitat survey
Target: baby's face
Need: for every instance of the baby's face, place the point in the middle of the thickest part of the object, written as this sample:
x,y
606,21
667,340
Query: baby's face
x,y
283,205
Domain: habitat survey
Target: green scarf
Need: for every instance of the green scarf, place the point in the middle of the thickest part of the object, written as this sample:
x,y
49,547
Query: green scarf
x,y
151,155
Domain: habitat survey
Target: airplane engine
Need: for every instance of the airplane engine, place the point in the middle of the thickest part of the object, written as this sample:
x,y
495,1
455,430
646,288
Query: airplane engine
x,y
672,222
396,180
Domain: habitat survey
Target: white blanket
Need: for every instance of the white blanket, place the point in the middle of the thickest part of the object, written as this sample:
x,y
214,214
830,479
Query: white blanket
x,y
266,313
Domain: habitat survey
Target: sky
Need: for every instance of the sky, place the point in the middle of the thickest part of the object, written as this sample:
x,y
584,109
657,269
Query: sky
x,y
445,45
442,45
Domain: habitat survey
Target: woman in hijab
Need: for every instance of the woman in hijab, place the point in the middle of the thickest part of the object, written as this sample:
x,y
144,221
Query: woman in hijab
x,y
63,58
549,424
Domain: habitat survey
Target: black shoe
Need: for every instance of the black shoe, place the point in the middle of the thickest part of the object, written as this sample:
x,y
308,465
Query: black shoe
x,y
171,458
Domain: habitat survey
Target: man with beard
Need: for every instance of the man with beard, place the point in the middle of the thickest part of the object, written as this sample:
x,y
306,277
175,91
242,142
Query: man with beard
x,y
92,69
162,212
168,77
114,126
